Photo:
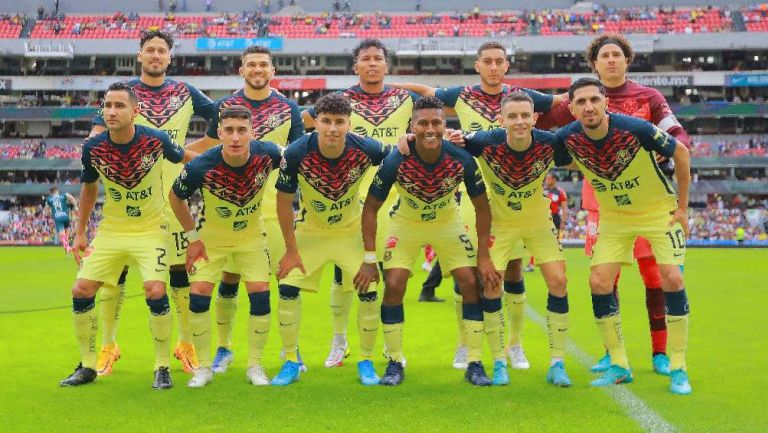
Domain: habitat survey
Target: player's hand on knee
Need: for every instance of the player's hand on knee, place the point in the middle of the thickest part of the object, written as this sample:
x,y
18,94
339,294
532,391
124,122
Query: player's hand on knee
x,y
79,247
488,274
368,273
455,136
195,252
402,143
289,261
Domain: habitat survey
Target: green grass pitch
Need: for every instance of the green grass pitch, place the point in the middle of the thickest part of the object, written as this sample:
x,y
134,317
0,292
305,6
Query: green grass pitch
x,y
727,360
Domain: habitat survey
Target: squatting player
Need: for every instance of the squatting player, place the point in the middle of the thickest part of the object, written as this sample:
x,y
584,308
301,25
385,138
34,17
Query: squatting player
x,y
427,213
61,205
167,105
616,154
610,57
276,119
232,178
327,166
127,157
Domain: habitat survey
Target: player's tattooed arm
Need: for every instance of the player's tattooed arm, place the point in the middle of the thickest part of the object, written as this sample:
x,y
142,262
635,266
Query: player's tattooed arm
x,y
369,270
682,160
88,193
490,276
291,259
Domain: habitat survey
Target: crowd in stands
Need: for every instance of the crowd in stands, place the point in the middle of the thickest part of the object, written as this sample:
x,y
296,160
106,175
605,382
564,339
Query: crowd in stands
x,y
755,146
35,225
37,148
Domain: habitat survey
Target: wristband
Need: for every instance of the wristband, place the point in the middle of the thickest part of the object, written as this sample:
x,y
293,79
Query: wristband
x,y
369,257
192,235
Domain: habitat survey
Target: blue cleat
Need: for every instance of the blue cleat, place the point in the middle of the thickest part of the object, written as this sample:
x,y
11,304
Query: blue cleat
x,y
661,364
475,374
602,365
614,375
289,373
367,373
222,360
394,375
557,375
679,383
500,373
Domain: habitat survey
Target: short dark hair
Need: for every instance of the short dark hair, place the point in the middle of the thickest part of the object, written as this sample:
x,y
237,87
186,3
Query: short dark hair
x,y
257,49
517,96
53,189
585,82
235,112
553,174
428,102
599,42
369,43
123,86
333,103
151,34
490,46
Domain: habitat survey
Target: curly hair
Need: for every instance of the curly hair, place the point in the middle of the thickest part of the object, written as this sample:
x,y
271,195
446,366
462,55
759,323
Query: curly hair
x,y
369,43
151,34
334,103
599,42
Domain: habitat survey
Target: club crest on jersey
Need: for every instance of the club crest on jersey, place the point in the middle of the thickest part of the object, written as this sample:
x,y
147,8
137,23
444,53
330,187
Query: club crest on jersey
x,y
354,174
623,157
147,162
538,167
260,179
393,102
273,121
449,183
174,102
630,105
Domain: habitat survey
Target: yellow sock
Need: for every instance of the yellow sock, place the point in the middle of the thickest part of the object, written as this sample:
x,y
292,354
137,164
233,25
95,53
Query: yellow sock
x,y
111,301
613,339
258,333
200,326
86,327
393,340
341,303
458,301
160,325
180,296
677,341
289,316
557,330
494,333
225,319
516,311
368,320
474,330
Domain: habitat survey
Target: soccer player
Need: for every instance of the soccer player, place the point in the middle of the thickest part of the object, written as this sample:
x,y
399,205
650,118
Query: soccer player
x,y
558,202
276,119
616,154
327,166
610,57
127,157
380,112
514,161
166,105
61,205
477,107
233,179
427,213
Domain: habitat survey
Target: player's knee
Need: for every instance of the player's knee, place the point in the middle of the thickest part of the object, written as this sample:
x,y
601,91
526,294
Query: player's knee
x,y
514,271
199,303
557,284
228,277
288,292
671,278
178,278
154,289
84,289
259,303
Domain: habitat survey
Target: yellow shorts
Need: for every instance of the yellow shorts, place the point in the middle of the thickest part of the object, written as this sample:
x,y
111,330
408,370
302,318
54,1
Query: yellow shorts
x,y
467,211
617,234
450,240
319,247
540,241
275,247
110,252
250,257
177,245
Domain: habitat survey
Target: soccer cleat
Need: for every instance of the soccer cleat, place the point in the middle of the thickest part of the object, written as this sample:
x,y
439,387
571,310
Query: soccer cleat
x,y
302,367
427,266
528,268
429,297
221,360
460,358
185,352
337,355
81,376
257,376
200,377
500,373
475,374
613,376
107,358
603,364
288,374
517,358
162,379
367,373
661,364
394,375
557,375
679,383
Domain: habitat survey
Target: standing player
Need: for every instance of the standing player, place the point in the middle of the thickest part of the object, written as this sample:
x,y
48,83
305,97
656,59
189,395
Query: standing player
x,y
427,213
60,209
232,178
558,201
380,112
616,154
610,56
276,119
477,107
166,105
127,158
328,167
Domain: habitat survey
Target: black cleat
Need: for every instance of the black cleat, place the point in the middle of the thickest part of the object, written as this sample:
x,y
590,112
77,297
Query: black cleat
x,y
475,374
394,375
429,297
81,376
162,379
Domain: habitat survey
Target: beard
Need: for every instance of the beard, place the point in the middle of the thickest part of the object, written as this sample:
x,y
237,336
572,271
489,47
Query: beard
x,y
146,70
254,85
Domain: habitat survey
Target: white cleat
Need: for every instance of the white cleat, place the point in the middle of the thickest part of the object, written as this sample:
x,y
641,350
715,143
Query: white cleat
x,y
460,359
257,376
517,358
337,355
201,377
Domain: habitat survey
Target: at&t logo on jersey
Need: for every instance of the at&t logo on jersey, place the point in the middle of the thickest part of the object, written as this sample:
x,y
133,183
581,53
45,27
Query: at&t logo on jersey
x,y
115,194
223,212
318,206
